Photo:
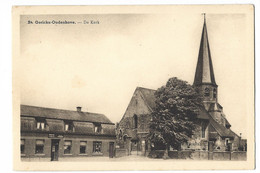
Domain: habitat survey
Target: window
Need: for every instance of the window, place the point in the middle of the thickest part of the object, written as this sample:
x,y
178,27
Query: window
x,y
40,124
98,128
97,146
135,121
83,147
68,126
22,146
206,93
214,93
120,134
67,147
39,148
203,129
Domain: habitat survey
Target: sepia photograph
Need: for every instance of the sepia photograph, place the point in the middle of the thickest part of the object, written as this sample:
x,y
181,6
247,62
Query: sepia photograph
x,y
166,87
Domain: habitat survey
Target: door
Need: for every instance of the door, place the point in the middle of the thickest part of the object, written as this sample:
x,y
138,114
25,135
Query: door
x,y
134,147
54,149
111,149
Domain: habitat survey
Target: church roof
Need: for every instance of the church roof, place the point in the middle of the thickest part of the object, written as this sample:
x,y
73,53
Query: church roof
x,y
215,107
149,99
149,96
222,130
33,111
204,71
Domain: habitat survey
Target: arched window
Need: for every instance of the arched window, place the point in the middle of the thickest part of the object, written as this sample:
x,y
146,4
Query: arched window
x,y
206,92
120,134
135,121
214,93
203,129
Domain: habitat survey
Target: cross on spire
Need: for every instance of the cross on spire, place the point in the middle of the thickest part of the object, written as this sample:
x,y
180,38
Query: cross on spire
x,y
204,15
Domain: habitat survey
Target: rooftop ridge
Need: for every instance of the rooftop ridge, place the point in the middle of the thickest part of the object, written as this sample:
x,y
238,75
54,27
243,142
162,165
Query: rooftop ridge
x,y
60,109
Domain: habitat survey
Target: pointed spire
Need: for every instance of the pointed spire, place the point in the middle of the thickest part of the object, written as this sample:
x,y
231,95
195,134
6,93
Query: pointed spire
x,y
204,71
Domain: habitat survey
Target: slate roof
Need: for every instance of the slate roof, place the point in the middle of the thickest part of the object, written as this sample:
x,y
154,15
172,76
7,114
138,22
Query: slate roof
x,y
149,96
215,107
222,130
203,114
34,111
204,71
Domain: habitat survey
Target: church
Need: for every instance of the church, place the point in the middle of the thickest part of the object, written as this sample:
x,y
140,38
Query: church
x,y
213,131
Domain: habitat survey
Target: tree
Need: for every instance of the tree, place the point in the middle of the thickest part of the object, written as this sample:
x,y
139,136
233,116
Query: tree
x,y
172,121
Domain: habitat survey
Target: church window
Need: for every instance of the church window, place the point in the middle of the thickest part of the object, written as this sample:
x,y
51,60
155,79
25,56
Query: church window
x,y
214,93
135,121
120,134
206,93
203,129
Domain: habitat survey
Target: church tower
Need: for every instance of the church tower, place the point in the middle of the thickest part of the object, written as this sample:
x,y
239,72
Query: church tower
x,y
205,80
204,77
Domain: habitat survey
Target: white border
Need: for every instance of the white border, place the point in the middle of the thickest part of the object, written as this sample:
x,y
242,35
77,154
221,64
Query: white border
x,y
6,57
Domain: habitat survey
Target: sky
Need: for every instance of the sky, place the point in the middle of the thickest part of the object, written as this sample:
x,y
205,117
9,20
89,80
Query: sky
x,y
98,66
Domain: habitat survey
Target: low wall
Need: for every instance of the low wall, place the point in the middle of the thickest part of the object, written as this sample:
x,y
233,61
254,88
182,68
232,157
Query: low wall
x,y
201,155
121,152
238,155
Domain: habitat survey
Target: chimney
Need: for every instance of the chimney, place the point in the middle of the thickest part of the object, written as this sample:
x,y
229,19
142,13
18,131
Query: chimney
x,y
79,109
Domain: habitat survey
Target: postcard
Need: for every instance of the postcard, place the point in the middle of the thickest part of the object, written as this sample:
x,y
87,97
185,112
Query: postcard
x,y
152,87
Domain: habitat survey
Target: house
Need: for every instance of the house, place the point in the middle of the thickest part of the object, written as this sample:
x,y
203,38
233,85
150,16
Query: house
x,y
50,134
212,132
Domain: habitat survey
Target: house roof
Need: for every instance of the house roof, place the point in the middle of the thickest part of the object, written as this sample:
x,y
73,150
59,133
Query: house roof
x,y
34,111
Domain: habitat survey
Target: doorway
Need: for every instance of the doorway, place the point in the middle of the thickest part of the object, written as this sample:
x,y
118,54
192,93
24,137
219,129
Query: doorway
x,y
54,149
111,149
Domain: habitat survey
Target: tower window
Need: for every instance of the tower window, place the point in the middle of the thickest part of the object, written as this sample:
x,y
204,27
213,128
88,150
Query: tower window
x,y
206,92
214,93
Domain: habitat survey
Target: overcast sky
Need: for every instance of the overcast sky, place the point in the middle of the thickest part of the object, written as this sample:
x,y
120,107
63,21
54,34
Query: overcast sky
x,y
98,66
